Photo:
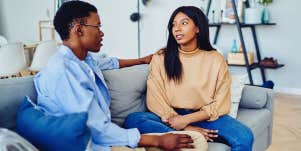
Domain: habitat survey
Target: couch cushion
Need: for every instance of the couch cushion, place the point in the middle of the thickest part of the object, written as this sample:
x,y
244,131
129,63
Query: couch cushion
x,y
257,120
218,147
12,91
49,133
127,87
253,97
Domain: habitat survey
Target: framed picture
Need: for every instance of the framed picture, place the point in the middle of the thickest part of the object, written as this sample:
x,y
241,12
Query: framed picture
x,y
227,10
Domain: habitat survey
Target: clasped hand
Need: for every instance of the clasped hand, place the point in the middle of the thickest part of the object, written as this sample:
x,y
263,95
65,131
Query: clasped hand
x,y
179,122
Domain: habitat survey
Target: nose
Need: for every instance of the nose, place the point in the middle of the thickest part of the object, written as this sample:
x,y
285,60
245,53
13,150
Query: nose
x,y
176,28
101,33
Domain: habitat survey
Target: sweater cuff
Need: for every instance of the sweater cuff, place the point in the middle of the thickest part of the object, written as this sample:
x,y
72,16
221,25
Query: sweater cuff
x,y
211,111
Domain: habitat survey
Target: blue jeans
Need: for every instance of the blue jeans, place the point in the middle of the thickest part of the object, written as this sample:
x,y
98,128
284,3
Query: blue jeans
x,y
237,135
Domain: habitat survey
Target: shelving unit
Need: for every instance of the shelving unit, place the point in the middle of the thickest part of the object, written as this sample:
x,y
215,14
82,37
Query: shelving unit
x,y
239,27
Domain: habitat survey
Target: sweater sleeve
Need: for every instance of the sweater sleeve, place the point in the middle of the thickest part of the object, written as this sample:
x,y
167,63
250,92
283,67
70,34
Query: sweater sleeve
x,y
157,101
221,102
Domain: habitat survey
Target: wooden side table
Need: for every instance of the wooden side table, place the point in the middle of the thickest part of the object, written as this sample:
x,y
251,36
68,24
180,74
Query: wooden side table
x,y
29,49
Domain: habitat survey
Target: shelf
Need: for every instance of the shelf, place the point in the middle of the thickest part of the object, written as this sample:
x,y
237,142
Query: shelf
x,y
214,24
256,65
241,24
254,85
30,45
252,66
278,66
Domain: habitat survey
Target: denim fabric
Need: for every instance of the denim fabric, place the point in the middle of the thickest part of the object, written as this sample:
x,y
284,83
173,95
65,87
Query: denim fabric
x,y
237,135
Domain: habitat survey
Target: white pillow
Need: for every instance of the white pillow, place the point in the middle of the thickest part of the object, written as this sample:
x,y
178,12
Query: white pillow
x,y
42,54
237,85
10,139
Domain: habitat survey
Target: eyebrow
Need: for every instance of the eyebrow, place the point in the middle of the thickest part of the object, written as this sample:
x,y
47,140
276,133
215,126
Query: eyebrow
x,y
182,19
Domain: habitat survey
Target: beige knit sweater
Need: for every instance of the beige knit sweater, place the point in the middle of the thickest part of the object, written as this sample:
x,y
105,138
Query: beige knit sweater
x,y
205,85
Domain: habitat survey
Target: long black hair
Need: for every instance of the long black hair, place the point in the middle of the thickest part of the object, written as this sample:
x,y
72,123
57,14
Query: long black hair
x,y
172,63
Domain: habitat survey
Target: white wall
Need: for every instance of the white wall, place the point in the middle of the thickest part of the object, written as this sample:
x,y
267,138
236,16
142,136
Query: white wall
x,y
19,19
1,17
19,23
283,42
120,33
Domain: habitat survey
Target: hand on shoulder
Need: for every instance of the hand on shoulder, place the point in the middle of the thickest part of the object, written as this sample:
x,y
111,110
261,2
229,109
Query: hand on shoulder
x,y
147,59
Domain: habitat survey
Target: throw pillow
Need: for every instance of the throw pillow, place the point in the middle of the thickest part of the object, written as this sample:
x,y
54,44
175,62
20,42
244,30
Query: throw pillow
x,y
127,87
254,97
237,85
48,133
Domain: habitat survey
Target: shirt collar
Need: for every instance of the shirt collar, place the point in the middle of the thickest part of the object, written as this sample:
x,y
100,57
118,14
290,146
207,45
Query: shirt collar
x,y
189,52
65,50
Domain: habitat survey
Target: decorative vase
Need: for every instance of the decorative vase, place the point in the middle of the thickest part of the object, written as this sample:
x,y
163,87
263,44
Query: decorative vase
x,y
265,18
234,48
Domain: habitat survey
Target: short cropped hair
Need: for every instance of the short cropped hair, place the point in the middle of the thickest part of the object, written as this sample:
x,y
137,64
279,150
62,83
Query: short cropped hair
x,y
70,12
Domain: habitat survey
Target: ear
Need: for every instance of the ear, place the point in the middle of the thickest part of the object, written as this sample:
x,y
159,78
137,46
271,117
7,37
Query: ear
x,y
197,31
77,30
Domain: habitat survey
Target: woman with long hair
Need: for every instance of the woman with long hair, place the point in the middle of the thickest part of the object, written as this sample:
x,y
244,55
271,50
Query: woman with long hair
x,y
188,87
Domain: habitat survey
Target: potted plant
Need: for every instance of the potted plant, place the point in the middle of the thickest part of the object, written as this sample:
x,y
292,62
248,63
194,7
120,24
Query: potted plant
x,y
265,1
265,18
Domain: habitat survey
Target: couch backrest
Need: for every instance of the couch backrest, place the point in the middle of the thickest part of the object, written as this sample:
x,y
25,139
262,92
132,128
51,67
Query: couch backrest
x,y
12,92
127,87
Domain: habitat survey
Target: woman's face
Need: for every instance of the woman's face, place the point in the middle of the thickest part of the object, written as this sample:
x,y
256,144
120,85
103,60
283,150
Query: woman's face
x,y
184,30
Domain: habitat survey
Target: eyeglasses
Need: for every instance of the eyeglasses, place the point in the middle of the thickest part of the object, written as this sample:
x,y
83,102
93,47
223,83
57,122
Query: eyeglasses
x,y
96,26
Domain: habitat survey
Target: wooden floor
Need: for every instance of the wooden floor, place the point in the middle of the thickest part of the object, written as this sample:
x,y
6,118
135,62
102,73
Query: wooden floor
x,y
287,123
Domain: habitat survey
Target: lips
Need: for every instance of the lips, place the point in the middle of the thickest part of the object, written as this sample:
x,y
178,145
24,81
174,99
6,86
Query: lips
x,y
179,36
99,42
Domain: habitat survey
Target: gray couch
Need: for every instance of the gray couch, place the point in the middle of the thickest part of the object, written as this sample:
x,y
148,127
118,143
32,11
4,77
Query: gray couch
x,y
128,87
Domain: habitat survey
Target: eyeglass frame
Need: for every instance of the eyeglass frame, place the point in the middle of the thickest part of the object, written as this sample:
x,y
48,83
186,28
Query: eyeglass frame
x,y
96,26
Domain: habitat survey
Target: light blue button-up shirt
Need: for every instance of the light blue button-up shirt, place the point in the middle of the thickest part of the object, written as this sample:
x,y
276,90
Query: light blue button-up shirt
x,y
66,86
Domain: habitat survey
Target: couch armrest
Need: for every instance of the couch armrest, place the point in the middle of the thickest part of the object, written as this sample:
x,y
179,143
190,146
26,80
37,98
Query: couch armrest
x,y
257,97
